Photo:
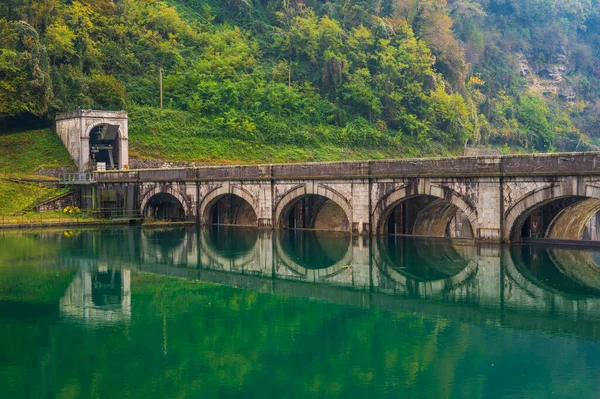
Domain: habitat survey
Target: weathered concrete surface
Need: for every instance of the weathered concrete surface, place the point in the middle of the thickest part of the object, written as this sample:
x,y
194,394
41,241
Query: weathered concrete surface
x,y
74,129
495,194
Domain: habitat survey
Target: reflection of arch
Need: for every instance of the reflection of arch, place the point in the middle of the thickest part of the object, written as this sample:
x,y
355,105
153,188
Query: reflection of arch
x,y
389,202
569,223
166,190
213,196
461,262
534,276
243,259
314,274
297,193
165,246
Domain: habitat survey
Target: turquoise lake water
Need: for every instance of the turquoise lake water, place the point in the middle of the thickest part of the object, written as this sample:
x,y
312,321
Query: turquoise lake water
x,y
189,313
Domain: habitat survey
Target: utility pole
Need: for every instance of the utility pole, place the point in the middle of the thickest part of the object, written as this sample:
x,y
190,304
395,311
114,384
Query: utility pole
x,y
160,70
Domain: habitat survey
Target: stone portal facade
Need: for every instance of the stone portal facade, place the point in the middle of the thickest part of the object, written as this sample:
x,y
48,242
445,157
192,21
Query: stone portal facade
x,y
74,129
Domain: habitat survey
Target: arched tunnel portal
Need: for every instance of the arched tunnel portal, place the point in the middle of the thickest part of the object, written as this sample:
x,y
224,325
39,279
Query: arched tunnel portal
x,y
564,218
231,210
164,206
314,212
425,215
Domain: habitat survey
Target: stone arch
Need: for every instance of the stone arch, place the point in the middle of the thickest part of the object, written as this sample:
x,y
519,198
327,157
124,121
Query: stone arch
x,y
213,196
95,124
166,190
302,191
389,202
568,224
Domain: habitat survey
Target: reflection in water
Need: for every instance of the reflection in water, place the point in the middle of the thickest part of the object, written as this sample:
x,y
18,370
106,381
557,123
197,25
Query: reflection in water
x,y
165,240
314,249
98,296
424,259
571,272
126,330
229,242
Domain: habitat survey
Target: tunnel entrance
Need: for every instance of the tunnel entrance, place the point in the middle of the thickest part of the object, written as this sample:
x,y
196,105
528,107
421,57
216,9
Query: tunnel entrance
x,y
164,206
104,147
232,210
567,218
426,215
315,212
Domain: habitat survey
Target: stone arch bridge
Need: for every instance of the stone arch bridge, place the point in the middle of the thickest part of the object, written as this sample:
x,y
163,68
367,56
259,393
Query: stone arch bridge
x,y
493,198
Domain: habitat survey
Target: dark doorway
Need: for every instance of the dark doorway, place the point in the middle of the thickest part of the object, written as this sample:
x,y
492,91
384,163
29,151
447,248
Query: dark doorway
x,y
104,147
231,210
164,206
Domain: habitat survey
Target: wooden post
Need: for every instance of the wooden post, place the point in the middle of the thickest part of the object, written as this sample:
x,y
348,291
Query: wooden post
x,y
161,86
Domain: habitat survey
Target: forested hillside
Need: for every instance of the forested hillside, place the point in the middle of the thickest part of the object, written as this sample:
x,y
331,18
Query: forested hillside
x,y
338,78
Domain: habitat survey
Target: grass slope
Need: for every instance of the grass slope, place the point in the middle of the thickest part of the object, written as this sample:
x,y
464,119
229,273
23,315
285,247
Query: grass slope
x,y
21,155
173,135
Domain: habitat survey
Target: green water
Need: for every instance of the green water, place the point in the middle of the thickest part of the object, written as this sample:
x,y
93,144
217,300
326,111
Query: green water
x,y
186,313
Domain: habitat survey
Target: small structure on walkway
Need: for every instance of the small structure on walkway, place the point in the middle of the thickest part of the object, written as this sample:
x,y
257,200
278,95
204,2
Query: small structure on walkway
x,y
95,139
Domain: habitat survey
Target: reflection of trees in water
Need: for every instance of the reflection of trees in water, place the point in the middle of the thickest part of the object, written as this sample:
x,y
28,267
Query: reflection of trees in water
x,y
230,242
567,271
314,250
246,344
424,259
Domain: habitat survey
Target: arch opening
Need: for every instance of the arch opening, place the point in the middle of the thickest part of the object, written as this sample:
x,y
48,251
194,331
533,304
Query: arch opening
x,y
104,147
565,218
231,210
426,215
164,206
314,212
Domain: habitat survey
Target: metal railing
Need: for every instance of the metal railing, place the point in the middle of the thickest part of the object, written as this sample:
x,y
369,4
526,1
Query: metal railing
x,y
76,178
114,213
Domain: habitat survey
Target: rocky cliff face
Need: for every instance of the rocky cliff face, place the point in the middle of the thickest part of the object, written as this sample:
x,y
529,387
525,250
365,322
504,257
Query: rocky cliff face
x,y
549,79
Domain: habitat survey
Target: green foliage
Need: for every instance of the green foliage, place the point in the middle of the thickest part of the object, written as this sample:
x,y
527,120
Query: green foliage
x,y
25,85
349,73
185,136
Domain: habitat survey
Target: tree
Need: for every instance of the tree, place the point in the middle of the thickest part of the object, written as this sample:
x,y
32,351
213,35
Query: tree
x,y
25,85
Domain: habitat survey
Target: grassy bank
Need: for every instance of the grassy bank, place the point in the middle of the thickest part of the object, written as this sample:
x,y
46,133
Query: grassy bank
x,y
23,154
